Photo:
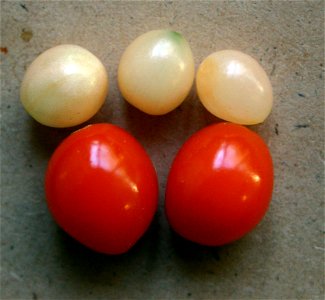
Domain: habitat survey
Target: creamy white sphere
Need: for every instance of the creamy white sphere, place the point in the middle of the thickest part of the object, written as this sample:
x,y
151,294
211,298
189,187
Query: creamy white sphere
x,y
64,86
156,71
234,87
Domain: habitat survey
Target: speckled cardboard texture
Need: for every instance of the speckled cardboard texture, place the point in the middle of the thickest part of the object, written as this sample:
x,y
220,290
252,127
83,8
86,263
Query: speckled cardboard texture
x,y
282,258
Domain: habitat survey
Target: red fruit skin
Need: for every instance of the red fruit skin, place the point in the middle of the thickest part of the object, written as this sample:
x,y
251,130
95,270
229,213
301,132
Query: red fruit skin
x,y
101,188
220,185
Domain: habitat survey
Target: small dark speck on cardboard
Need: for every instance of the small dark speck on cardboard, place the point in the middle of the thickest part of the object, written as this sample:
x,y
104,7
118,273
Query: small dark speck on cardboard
x,y
298,126
276,129
318,178
273,69
8,106
23,6
26,35
301,95
189,294
4,50
35,297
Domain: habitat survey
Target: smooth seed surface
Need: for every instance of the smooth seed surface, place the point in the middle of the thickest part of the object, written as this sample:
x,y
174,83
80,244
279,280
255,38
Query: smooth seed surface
x,y
234,87
64,86
156,71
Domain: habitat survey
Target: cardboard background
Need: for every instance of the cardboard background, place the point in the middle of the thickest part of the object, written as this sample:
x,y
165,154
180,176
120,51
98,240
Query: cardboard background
x,y
282,258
